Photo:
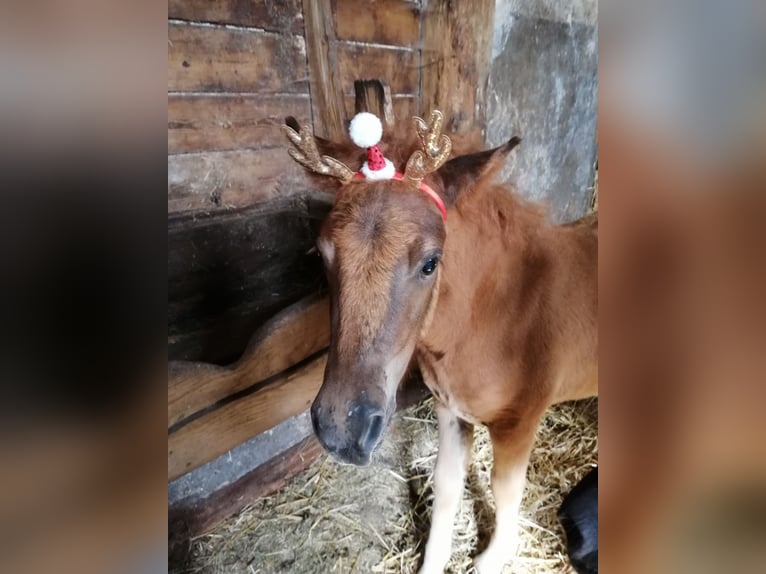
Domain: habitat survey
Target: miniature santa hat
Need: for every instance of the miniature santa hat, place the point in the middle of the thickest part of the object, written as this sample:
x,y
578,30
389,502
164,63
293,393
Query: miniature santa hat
x,y
365,131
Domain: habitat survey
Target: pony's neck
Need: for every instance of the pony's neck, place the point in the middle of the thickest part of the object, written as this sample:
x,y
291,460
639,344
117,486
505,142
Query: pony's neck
x,y
485,235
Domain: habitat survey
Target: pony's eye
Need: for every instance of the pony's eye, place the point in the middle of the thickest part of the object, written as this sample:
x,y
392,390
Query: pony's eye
x,y
429,266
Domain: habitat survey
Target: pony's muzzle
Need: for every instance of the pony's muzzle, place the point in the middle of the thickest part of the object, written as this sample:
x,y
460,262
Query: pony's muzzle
x,y
352,438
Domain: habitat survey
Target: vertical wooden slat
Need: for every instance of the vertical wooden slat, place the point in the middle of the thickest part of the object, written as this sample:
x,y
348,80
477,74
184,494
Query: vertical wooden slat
x,y
457,39
326,94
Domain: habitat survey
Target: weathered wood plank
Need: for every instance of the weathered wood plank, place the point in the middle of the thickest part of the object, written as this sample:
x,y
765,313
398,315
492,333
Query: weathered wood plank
x,y
212,59
394,22
212,181
219,123
283,16
399,68
211,435
457,38
292,336
326,90
230,272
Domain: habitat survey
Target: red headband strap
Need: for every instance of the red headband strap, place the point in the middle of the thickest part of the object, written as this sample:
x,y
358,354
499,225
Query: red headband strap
x,y
398,176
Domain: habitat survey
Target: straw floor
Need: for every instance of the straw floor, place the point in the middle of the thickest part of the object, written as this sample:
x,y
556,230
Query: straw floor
x,y
334,518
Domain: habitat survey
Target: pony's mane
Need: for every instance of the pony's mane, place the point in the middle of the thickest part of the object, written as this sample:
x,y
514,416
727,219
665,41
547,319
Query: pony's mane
x,y
489,203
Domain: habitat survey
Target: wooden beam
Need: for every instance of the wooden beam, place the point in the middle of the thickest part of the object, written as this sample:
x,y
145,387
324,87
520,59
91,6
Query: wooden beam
x,y
295,334
283,16
218,59
201,123
187,520
457,40
221,180
231,271
324,77
204,438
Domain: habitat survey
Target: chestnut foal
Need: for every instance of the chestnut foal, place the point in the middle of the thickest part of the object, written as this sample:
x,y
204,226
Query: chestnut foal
x,y
497,306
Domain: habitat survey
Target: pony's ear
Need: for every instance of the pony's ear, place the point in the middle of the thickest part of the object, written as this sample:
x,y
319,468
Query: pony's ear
x,y
462,172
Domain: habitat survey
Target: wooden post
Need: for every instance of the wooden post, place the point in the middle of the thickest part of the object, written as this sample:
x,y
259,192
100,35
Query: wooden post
x,y
457,40
326,93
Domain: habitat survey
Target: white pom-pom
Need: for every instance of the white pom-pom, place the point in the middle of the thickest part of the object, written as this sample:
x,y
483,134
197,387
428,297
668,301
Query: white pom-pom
x,y
365,129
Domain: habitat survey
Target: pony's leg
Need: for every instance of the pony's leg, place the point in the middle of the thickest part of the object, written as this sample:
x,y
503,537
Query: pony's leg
x,y
511,448
455,439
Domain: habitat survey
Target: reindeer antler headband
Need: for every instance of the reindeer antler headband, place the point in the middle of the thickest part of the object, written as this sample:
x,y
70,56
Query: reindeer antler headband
x,y
365,131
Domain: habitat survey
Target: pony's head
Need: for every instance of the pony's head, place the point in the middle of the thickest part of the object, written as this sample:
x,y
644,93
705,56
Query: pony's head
x,y
382,247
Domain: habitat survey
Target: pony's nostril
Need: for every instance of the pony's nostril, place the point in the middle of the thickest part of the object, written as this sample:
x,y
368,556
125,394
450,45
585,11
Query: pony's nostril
x,y
314,416
371,431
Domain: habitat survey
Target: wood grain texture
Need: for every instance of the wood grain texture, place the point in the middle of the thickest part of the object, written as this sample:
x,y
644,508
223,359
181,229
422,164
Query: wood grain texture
x,y
211,59
457,39
393,22
230,272
399,68
221,123
282,16
211,435
326,89
215,181
289,338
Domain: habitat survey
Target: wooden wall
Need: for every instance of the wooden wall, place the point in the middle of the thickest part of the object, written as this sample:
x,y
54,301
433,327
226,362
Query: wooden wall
x,y
236,69
239,231
234,73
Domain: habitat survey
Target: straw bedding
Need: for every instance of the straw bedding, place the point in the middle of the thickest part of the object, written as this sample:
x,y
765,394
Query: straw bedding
x,y
338,518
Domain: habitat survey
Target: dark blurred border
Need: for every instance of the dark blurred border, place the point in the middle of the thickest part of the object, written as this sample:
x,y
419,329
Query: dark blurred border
x,y
682,279
83,305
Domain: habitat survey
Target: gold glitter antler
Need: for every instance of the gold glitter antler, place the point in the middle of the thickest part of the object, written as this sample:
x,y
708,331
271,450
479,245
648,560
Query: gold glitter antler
x,y
435,149
305,152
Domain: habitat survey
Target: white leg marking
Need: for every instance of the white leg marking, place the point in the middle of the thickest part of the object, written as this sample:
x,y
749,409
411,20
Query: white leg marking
x,y
449,475
508,491
512,448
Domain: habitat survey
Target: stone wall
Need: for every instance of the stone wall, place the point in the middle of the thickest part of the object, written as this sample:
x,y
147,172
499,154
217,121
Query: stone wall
x,y
543,87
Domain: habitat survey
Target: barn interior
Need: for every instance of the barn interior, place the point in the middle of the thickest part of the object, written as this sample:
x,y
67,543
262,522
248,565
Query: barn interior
x,y
250,489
